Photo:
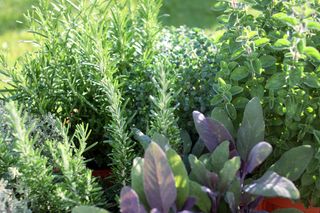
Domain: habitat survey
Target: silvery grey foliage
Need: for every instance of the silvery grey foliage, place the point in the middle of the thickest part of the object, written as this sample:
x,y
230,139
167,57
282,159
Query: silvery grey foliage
x,y
44,128
4,128
8,202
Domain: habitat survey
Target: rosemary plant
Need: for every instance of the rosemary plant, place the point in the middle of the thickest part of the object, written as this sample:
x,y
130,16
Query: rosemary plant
x,y
162,116
71,185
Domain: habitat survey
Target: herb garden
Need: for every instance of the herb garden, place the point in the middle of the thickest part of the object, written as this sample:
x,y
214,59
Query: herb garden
x,y
115,112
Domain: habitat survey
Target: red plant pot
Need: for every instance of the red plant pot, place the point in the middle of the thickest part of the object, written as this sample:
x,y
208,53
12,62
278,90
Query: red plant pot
x,y
103,173
271,204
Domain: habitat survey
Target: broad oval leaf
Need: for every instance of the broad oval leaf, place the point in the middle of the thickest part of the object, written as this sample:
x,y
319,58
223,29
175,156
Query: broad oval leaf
x,y
217,99
256,65
189,204
220,115
301,156
273,185
228,173
231,201
261,42
311,80
180,176
129,201
267,61
235,189
237,53
187,142
88,209
276,81
198,147
313,25
257,155
240,102
159,184
219,156
301,45
203,201
239,73
231,110
252,128
281,44
312,53
210,131
286,19
198,171
137,180
257,91
235,90
161,140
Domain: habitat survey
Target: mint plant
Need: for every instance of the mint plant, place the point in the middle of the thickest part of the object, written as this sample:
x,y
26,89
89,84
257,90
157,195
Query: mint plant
x,y
270,50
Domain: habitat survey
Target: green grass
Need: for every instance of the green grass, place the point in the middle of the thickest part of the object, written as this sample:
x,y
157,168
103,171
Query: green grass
x,y
192,13
13,44
11,31
11,11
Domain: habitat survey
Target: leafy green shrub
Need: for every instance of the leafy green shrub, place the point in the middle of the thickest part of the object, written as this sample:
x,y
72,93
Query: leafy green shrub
x,y
269,49
191,54
47,186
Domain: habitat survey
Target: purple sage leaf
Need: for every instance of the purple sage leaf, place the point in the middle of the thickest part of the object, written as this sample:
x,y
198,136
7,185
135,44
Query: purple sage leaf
x,y
189,203
257,155
273,185
213,178
252,128
210,131
129,201
159,184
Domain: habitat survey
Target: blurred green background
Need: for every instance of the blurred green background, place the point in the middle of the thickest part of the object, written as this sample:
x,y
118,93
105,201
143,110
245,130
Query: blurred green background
x,y
193,13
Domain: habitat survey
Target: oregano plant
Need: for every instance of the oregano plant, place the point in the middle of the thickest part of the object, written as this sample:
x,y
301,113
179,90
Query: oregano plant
x,y
270,49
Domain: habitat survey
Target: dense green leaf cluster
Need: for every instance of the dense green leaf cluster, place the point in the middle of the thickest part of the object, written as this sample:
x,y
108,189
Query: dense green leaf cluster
x,y
191,54
270,49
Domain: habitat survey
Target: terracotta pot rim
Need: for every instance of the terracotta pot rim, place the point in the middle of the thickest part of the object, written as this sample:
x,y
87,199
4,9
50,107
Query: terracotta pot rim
x,y
271,204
